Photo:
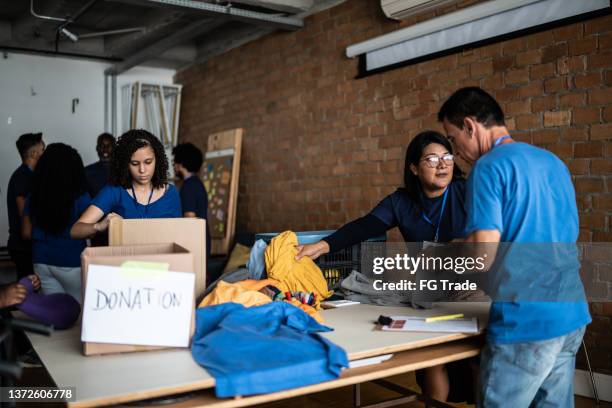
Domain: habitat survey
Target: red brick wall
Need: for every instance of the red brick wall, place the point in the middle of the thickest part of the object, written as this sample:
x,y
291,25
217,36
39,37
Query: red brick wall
x,y
321,148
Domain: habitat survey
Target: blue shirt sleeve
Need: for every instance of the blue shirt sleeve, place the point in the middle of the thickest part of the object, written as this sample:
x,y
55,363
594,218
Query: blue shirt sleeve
x,y
385,211
82,203
26,207
189,199
23,184
174,201
484,199
107,199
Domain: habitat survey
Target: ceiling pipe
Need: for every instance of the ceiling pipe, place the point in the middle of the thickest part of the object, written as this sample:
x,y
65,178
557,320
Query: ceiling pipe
x,y
229,12
44,17
113,32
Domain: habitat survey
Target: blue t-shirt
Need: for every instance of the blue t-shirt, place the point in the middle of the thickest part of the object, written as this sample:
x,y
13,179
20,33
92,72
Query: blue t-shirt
x,y
97,176
526,193
399,210
58,249
19,186
116,199
194,198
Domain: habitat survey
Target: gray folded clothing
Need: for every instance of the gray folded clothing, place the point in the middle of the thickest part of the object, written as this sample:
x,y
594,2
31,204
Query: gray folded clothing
x,y
234,276
360,288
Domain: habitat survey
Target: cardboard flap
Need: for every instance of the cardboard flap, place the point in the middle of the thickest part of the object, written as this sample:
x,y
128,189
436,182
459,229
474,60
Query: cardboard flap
x,y
189,233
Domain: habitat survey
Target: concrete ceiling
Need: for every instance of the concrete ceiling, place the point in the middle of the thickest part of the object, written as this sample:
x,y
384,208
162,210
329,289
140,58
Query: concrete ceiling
x,y
162,33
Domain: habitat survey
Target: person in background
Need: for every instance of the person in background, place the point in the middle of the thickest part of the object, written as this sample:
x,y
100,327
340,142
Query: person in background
x,y
98,175
138,186
194,198
430,207
30,147
520,194
58,198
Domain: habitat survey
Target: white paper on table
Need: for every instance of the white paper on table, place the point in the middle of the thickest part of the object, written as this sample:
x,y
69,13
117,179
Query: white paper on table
x,y
333,304
369,361
139,307
418,324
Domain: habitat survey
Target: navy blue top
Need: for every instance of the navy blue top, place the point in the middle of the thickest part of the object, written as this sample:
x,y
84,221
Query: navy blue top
x,y
195,199
60,249
116,199
19,186
526,193
399,210
97,176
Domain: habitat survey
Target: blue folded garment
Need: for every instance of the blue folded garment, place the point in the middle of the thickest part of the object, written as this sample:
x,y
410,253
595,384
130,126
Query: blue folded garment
x,y
263,349
256,263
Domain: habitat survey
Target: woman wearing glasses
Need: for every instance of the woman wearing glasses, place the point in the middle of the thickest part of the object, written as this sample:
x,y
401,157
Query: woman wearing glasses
x,y
430,207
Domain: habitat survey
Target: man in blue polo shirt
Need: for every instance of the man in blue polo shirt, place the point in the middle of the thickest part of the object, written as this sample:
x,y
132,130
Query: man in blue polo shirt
x,y
98,173
188,160
523,195
30,147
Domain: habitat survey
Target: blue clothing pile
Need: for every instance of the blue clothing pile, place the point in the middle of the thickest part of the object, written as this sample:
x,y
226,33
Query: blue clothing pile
x,y
263,349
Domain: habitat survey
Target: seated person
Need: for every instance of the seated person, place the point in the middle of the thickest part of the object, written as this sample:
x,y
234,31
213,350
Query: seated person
x,y
15,293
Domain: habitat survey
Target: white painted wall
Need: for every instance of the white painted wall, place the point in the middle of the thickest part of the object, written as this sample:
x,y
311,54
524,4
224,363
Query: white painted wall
x,y
55,82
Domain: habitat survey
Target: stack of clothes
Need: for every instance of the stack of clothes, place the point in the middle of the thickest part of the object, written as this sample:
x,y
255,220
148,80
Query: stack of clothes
x,y
259,336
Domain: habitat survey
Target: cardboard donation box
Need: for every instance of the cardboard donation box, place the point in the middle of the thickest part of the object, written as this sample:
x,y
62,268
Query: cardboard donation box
x,y
190,233
137,298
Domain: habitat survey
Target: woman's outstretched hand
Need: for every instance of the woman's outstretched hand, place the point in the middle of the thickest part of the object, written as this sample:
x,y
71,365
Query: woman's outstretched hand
x,y
313,251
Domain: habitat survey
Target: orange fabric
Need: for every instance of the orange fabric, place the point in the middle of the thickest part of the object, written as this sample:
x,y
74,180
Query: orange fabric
x,y
311,311
234,292
247,293
252,284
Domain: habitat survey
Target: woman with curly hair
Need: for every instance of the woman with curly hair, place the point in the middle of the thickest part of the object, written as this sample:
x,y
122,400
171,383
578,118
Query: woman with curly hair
x,y
58,198
138,186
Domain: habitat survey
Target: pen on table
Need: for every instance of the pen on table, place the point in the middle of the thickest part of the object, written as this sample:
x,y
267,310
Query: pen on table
x,y
441,318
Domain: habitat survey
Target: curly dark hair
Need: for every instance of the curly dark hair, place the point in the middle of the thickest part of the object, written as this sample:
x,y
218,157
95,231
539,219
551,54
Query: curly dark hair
x,y
127,144
189,156
59,179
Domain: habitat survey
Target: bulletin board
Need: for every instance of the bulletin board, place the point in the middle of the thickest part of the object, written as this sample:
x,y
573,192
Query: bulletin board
x,y
220,177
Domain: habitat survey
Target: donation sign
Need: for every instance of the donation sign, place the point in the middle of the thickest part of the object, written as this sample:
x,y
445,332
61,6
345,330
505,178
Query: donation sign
x,y
138,306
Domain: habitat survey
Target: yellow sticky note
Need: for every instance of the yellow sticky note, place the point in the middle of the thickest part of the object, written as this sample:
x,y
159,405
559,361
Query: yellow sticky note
x,y
143,268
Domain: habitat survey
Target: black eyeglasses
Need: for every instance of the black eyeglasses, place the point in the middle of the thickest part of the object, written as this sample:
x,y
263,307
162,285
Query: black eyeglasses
x,y
434,161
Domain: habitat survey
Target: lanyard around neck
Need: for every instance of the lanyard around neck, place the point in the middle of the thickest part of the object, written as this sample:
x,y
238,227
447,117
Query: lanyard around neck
x,y
501,140
426,218
148,201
